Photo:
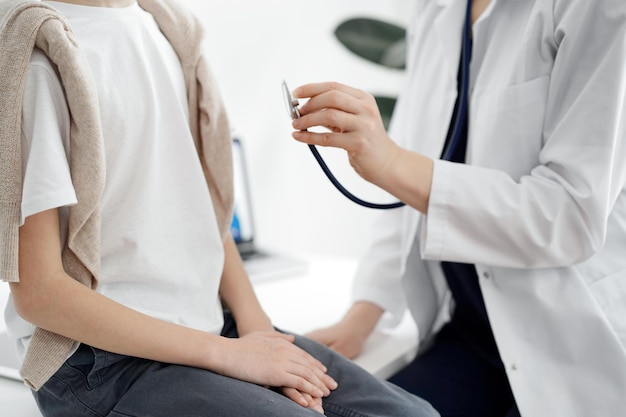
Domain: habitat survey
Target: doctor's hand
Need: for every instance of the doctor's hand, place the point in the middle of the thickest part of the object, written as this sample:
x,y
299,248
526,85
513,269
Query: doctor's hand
x,y
354,124
341,338
349,335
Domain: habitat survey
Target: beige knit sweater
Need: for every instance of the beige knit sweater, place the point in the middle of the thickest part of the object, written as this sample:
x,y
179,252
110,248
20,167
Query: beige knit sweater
x,y
26,23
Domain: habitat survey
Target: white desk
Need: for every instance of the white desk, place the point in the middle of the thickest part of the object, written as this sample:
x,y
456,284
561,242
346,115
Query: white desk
x,y
320,298
299,304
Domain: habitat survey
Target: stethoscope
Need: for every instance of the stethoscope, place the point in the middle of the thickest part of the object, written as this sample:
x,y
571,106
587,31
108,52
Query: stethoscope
x,y
293,107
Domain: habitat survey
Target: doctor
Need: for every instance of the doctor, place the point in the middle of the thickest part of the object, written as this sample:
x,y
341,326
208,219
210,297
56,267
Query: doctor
x,y
511,255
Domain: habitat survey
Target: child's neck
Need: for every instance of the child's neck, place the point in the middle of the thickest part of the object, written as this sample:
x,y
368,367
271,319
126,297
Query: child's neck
x,y
100,3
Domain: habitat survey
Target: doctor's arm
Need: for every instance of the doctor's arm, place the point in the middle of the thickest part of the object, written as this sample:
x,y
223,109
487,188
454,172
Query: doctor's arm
x,y
377,289
556,213
355,125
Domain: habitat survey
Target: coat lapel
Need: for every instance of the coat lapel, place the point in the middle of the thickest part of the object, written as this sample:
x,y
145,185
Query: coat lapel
x,y
449,31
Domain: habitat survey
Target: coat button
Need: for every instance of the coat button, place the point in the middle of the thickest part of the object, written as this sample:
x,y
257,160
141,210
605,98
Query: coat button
x,y
514,367
486,275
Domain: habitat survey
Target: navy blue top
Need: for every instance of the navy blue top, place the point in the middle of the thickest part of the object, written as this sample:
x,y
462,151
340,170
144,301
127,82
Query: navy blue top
x,y
469,320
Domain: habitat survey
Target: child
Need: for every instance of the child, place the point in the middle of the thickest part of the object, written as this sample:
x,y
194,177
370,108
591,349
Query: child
x,y
128,296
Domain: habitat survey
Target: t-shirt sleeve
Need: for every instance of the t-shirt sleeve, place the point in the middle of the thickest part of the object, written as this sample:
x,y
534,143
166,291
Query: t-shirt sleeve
x,y
45,140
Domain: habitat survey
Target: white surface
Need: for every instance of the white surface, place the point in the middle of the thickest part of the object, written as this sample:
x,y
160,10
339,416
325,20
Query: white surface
x,y
320,298
15,398
299,304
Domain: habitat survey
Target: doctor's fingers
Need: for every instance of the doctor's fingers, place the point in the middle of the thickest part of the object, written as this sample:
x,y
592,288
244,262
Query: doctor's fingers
x,y
333,119
315,89
338,139
340,100
350,132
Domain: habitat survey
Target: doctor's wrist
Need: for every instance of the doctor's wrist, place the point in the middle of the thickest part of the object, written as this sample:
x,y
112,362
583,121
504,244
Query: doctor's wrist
x,y
410,179
363,317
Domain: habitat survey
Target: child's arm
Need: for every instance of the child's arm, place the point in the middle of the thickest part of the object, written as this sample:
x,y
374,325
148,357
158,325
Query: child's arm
x,y
238,295
49,298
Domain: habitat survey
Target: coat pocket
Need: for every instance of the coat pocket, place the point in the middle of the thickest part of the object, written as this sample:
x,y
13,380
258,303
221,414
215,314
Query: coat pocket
x,y
506,128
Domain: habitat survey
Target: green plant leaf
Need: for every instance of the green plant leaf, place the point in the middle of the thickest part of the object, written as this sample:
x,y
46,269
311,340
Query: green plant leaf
x,y
374,40
385,106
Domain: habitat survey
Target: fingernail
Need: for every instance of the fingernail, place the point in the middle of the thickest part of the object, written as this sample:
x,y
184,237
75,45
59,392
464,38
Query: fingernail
x,y
296,93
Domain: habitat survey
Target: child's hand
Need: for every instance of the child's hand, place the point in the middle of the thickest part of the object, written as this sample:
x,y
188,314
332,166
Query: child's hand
x,y
314,403
271,359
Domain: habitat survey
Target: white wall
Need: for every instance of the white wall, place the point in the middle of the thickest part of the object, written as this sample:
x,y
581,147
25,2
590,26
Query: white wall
x,y
253,46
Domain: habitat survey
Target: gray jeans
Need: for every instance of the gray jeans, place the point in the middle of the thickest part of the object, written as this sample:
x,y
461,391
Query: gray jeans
x,y
96,383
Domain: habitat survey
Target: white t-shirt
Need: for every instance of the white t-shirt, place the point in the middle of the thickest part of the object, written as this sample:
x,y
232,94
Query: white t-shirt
x,y
161,250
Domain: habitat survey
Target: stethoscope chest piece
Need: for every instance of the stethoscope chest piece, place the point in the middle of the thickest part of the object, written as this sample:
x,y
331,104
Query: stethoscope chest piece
x,y
291,103
294,112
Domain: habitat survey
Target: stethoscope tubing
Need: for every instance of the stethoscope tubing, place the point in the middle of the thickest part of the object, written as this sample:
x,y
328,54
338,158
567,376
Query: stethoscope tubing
x,y
464,86
456,130
343,190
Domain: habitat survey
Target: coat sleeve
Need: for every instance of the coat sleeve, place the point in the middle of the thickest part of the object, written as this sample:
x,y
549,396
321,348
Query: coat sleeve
x,y
379,275
557,214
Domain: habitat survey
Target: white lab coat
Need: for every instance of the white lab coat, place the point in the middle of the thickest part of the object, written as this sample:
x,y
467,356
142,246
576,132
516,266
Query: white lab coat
x,y
540,207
